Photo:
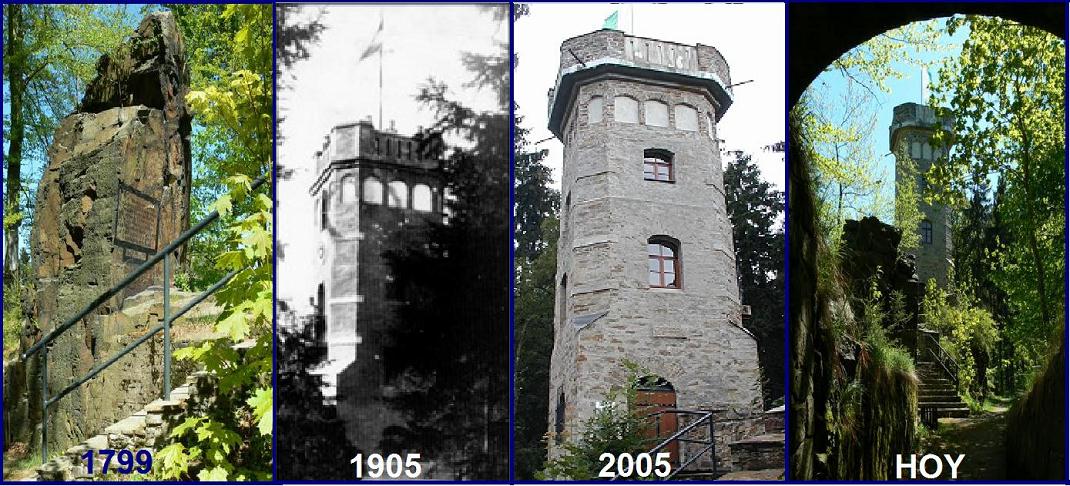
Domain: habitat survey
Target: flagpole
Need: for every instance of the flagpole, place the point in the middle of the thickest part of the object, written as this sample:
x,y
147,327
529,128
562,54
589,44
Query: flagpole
x,y
381,77
380,88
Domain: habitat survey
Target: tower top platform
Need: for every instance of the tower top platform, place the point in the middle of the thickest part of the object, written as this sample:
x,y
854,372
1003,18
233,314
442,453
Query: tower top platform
x,y
608,52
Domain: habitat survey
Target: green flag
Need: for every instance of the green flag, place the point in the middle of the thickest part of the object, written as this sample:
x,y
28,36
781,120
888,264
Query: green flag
x,y
611,21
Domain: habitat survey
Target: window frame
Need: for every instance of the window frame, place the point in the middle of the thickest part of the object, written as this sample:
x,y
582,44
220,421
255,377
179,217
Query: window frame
x,y
659,158
674,247
925,227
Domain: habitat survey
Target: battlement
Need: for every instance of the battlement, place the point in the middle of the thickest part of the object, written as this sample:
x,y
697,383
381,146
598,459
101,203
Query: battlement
x,y
914,115
609,51
360,140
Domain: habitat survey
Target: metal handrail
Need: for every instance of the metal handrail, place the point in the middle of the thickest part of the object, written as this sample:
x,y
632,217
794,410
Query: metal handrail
x,y
43,344
705,416
954,377
944,359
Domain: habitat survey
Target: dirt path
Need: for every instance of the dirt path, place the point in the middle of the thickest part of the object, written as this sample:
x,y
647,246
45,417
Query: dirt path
x,y
979,437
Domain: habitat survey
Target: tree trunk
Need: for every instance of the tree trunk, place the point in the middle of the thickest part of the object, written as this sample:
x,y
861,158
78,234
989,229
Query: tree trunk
x,y
17,133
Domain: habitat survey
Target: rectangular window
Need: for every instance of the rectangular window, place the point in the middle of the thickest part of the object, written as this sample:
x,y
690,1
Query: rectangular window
x,y
657,167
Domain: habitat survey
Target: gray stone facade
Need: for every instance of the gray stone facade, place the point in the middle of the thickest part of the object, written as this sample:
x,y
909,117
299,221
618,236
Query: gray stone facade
x,y
913,125
370,183
606,311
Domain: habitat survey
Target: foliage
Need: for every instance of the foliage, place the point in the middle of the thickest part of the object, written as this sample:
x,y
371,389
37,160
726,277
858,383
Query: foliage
x,y
845,173
1006,94
535,197
50,54
312,443
536,236
871,63
908,198
872,412
447,361
617,427
755,209
229,54
845,169
231,440
967,332
534,342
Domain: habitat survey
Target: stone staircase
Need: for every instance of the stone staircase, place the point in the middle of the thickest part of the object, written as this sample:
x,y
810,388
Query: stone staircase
x,y
937,396
147,428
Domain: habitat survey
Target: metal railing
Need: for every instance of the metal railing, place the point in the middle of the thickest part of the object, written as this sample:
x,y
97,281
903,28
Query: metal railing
x,y
705,418
944,359
43,345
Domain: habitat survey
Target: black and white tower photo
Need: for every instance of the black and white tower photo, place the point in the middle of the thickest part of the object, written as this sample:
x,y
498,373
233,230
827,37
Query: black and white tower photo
x,y
393,258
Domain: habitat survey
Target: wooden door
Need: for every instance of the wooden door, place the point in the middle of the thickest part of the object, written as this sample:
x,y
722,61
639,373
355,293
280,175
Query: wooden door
x,y
664,425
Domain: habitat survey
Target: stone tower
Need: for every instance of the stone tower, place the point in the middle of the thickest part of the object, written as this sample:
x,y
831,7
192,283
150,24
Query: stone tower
x,y
371,184
913,126
646,265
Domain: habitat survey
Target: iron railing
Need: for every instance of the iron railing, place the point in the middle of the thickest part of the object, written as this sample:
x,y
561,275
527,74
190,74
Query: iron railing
x,y
43,345
705,418
944,359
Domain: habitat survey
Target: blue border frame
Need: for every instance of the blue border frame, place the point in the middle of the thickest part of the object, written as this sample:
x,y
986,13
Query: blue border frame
x,y
512,350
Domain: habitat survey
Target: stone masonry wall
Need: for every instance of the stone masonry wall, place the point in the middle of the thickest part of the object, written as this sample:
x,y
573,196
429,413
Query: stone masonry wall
x,y
148,428
690,336
121,389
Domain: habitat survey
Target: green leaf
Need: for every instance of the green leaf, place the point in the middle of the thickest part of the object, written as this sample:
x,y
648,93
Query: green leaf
x,y
185,426
261,402
223,205
215,474
235,326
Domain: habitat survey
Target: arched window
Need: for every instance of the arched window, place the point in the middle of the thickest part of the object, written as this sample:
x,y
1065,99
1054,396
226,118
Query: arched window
x,y
657,113
373,191
625,110
663,262
421,198
559,419
926,232
325,209
562,303
349,189
398,195
686,118
709,126
657,165
594,110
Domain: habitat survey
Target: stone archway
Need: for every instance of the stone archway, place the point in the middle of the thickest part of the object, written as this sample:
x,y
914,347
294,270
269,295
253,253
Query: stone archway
x,y
814,45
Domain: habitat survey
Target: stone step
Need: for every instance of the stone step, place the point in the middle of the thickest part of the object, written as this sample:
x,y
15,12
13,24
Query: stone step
x,y
758,452
138,431
947,390
939,398
946,404
959,412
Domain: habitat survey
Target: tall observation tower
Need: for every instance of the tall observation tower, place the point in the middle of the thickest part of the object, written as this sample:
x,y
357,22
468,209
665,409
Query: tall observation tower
x,y
646,266
913,126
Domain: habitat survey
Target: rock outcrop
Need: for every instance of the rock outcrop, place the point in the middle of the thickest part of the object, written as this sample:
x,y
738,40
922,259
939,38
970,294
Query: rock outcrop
x,y
115,191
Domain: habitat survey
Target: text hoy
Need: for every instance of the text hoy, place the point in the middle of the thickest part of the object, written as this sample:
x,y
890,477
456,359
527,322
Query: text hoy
x,y
925,465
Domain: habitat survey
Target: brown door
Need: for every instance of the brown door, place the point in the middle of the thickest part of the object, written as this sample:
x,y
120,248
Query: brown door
x,y
663,425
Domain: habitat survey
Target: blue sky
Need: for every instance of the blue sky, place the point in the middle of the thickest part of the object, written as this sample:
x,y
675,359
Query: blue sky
x,y
904,90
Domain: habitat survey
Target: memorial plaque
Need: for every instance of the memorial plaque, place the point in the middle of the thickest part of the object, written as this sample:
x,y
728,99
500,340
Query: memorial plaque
x,y
137,229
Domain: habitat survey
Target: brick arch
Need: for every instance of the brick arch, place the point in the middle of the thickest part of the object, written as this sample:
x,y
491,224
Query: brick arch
x,y
857,23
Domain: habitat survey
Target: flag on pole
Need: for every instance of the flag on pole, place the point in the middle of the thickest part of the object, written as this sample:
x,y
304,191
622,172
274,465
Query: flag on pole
x,y
611,21
376,44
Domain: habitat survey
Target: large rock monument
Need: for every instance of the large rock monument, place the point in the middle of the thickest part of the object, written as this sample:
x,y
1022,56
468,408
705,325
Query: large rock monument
x,y
115,191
